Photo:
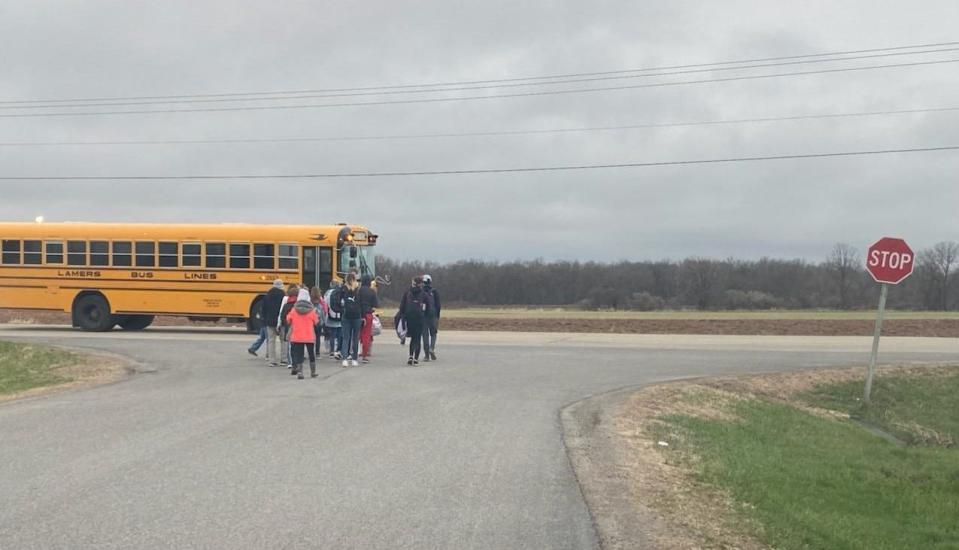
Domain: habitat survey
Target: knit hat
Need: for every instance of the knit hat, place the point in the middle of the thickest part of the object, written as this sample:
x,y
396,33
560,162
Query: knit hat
x,y
278,283
427,279
303,295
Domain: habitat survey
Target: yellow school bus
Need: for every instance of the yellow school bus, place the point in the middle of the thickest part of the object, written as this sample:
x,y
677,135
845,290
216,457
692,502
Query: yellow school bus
x,y
108,275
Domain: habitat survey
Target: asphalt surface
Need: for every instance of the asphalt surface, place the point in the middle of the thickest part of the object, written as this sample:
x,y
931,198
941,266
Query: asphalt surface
x,y
206,447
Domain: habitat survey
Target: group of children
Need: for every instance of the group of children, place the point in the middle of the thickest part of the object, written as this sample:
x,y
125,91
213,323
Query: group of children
x,y
300,318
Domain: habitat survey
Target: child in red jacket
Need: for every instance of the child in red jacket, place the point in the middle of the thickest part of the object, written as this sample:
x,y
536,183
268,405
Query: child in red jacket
x,y
302,320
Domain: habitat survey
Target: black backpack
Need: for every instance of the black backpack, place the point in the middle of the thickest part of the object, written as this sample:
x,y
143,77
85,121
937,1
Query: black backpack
x,y
351,305
415,309
336,300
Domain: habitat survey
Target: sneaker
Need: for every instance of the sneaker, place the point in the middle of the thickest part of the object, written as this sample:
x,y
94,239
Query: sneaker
x,y
251,352
426,357
274,365
365,360
289,366
409,361
355,363
345,363
337,356
416,362
300,376
313,375
433,355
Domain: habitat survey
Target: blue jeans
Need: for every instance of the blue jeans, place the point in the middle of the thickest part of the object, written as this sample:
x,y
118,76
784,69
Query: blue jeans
x,y
259,340
351,338
333,344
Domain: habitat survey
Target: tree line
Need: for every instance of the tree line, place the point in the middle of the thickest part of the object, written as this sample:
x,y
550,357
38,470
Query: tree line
x,y
840,282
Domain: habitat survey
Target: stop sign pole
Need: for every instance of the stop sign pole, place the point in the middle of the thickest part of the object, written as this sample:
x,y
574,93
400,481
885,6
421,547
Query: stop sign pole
x,y
889,261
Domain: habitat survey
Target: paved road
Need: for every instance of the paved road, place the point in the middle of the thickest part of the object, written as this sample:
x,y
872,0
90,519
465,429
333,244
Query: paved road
x,y
207,448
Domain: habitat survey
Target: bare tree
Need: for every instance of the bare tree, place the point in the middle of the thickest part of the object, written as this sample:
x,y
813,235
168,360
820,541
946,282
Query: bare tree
x,y
701,281
938,266
844,265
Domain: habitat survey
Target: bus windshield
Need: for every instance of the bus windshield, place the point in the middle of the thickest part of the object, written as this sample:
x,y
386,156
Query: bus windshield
x,y
364,263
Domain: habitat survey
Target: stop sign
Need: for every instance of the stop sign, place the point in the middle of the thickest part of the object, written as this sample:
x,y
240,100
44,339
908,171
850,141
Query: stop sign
x,y
890,260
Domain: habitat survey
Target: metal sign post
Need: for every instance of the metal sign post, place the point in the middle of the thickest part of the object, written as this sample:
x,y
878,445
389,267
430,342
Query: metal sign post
x,y
875,341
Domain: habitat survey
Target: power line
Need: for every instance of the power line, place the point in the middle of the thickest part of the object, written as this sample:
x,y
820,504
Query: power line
x,y
470,88
491,81
470,98
486,134
483,171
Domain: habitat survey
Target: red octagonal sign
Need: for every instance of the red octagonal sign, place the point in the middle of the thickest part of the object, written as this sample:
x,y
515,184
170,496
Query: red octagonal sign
x,y
890,260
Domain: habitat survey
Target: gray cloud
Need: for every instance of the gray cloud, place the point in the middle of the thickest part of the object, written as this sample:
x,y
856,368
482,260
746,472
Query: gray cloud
x,y
783,208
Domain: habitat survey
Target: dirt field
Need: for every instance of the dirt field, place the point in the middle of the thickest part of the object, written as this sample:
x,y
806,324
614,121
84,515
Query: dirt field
x,y
941,328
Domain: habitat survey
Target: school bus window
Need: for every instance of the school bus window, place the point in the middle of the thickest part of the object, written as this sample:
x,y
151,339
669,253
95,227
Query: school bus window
x,y
191,255
54,252
76,253
239,256
146,254
32,253
263,256
99,253
289,256
122,254
216,255
169,253
11,252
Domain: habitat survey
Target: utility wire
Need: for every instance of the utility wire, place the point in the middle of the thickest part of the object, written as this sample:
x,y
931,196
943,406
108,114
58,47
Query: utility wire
x,y
484,134
492,81
470,98
482,171
470,88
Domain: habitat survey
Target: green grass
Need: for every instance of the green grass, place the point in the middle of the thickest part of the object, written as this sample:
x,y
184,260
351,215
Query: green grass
x,y
810,482
563,313
919,408
23,367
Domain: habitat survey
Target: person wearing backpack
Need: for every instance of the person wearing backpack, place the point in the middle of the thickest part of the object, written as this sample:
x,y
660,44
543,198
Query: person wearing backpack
x,y
432,319
316,297
334,320
352,320
271,311
414,305
283,326
368,302
302,320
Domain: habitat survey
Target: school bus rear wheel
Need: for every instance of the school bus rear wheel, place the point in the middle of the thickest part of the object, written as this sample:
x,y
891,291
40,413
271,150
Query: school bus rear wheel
x,y
92,313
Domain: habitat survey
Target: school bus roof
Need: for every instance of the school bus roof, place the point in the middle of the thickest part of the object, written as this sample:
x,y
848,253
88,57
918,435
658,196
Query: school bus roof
x,y
181,232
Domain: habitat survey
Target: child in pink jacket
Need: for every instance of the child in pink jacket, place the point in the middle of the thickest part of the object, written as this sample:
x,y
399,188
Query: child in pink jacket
x,y
302,320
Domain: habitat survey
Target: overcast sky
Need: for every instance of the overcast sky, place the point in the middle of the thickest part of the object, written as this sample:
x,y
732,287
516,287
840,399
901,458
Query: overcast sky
x,y
785,209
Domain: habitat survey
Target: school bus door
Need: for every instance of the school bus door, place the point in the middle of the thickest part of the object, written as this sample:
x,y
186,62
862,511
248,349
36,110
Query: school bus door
x,y
317,266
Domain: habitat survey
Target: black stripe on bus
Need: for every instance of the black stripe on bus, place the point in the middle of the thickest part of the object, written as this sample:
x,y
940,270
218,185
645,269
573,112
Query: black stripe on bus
x,y
140,280
148,268
23,286
91,289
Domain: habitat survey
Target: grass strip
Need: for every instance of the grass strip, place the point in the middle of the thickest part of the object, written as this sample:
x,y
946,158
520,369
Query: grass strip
x,y
26,366
813,482
920,407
